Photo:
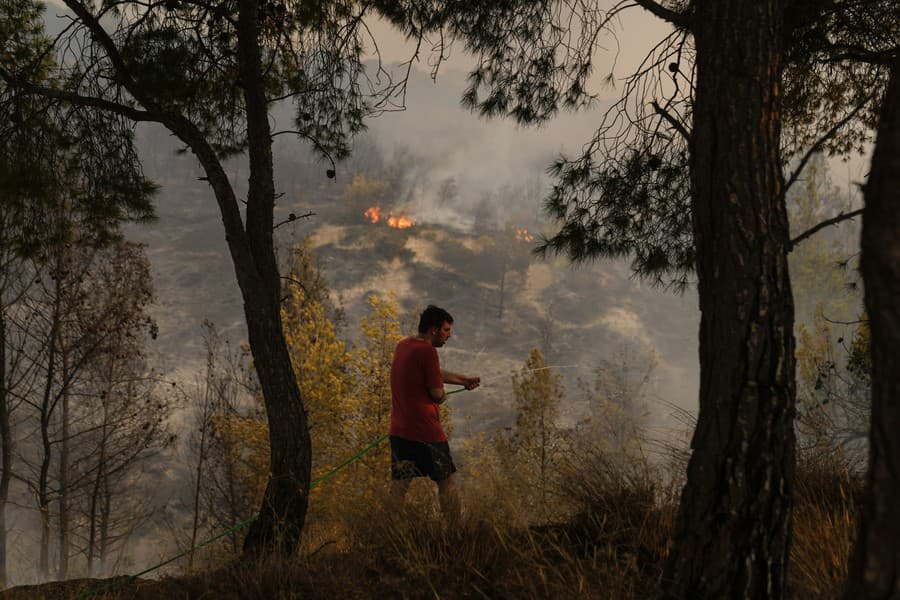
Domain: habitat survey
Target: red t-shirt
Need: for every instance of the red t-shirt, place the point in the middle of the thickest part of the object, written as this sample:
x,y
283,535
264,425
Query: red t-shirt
x,y
415,370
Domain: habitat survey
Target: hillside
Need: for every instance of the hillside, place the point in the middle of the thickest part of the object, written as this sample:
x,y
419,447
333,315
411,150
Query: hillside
x,y
578,316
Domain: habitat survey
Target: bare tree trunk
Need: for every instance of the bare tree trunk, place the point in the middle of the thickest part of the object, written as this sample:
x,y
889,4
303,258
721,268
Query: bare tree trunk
x,y
63,565
43,483
46,412
5,445
205,417
502,291
96,492
105,515
732,531
875,568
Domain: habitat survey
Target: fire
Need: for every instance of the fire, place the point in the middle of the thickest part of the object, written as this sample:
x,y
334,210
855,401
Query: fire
x,y
373,214
402,221
522,235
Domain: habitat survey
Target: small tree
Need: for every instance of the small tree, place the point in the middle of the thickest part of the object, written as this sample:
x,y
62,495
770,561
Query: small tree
x,y
227,448
833,389
617,398
818,273
533,444
321,365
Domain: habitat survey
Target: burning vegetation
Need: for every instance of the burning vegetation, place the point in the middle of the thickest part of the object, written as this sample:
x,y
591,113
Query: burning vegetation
x,y
522,235
401,221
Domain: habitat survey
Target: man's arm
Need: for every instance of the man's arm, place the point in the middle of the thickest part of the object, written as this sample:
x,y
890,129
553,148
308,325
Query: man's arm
x,y
470,383
437,394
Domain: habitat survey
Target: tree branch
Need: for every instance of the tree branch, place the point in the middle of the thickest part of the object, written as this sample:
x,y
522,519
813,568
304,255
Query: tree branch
x,y
815,228
666,14
319,148
100,35
292,217
672,121
79,100
821,142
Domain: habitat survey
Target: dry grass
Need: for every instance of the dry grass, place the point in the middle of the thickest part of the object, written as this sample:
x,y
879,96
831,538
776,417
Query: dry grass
x,y
609,539
828,494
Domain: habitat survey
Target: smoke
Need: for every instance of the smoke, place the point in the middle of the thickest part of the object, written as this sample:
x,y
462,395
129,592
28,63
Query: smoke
x,y
457,162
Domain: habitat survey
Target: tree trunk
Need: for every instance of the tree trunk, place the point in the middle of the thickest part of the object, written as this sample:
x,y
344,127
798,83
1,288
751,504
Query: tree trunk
x,y
732,530
284,504
202,452
96,494
875,568
502,292
105,516
92,526
62,569
5,445
43,477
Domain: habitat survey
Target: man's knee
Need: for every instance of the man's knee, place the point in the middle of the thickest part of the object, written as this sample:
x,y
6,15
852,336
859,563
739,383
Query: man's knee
x,y
447,484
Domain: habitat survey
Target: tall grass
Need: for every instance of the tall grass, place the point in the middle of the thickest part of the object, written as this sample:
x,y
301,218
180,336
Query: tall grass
x,y
608,536
827,497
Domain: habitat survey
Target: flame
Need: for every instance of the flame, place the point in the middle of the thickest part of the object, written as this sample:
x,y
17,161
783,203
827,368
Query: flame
x,y
373,214
401,222
522,235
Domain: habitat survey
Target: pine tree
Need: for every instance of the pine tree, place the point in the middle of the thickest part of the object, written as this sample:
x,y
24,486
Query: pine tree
x,y
533,445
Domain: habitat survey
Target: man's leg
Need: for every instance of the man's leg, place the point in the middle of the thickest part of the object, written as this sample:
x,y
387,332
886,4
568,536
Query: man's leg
x,y
448,496
397,493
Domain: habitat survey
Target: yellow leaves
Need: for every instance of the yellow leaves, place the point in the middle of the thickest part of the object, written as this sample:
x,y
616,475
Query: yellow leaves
x,y
245,441
537,391
346,393
813,349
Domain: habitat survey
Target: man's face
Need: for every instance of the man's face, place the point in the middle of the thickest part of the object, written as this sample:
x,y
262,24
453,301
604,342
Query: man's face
x,y
441,335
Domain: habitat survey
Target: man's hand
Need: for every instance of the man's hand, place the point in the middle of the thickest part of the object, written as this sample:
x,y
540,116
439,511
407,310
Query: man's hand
x,y
470,383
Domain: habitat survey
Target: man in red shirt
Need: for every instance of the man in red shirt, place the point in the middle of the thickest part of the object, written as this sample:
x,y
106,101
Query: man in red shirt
x,y
419,445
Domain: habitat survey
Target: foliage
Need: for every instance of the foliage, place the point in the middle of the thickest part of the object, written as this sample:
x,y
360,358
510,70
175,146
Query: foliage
x,y
56,158
93,410
836,60
346,391
74,299
368,417
528,63
532,448
635,207
233,63
363,193
611,543
627,194
617,399
321,362
244,439
182,57
833,388
819,273
227,447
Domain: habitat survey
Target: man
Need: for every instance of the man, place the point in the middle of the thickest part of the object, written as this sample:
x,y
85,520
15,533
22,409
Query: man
x,y
419,445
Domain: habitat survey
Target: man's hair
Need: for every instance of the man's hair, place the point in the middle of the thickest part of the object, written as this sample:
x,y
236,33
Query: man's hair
x,y
433,316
